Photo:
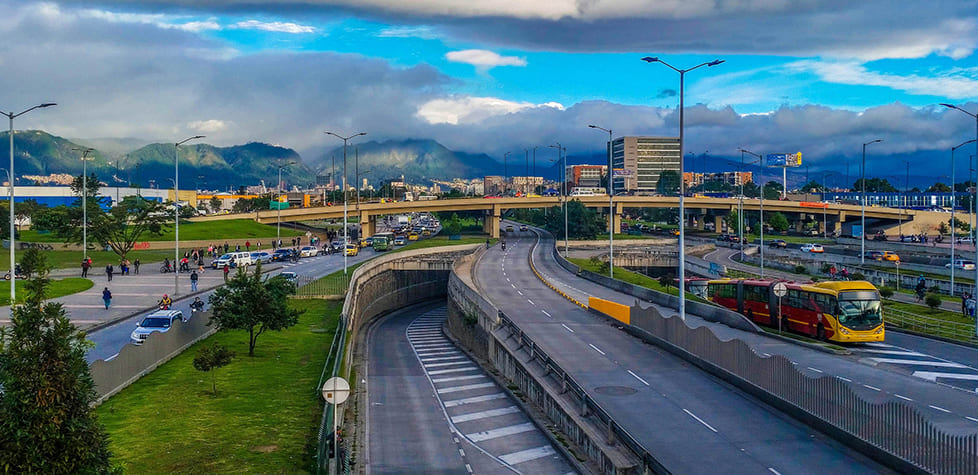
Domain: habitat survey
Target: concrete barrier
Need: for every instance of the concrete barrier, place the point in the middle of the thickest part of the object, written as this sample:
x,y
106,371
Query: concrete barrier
x,y
612,309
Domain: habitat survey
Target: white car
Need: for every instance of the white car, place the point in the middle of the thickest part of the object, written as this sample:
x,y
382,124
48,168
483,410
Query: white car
x,y
812,248
159,321
308,251
961,264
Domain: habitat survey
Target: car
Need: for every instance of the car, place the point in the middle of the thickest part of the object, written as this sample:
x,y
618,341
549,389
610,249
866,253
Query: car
x,y
159,321
876,255
352,249
261,256
233,259
283,254
425,233
290,276
523,227
412,236
964,240
308,251
400,241
890,256
778,243
809,247
509,229
961,264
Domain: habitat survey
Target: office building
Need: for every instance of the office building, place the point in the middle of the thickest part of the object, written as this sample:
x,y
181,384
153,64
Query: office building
x,y
639,161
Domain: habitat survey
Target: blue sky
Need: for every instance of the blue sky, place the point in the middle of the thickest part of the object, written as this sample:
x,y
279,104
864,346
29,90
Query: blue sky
x,y
820,76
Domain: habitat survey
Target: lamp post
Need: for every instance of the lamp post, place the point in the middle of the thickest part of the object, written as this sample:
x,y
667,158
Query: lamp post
x,y
535,169
176,211
346,234
12,116
526,183
682,191
950,106
953,205
505,172
85,151
761,198
611,205
278,206
563,182
862,242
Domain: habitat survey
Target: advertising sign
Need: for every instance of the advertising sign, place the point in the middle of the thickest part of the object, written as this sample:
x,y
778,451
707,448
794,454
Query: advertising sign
x,y
784,159
623,172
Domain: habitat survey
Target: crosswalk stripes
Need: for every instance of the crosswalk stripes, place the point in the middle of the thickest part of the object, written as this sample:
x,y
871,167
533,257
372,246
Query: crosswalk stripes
x,y
919,365
476,406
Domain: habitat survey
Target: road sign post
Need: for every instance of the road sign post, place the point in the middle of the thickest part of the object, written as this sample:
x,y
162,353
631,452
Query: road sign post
x,y
335,391
780,290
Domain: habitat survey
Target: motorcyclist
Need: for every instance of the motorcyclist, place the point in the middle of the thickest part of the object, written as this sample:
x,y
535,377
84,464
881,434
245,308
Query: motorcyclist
x,y
166,264
184,264
503,245
921,287
197,305
165,302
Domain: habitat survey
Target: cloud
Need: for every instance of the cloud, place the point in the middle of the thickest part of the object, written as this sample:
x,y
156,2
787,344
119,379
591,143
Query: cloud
x,y
957,84
457,110
209,126
274,26
666,93
483,59
423,32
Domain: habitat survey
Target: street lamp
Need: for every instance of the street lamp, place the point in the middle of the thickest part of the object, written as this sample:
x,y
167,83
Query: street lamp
x,y
611,205
176,211
761,198
346,234
563,182
505,173
862,242
12,116
954,205
682,191
278,206
85,151
950,106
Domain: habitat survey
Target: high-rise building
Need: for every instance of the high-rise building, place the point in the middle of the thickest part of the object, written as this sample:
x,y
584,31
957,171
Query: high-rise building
x,y
731,178
639,161
588,176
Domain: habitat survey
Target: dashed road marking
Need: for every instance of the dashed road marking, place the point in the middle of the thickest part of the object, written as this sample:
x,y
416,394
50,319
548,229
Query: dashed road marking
x,y
567,328
597,349
701,421
638,378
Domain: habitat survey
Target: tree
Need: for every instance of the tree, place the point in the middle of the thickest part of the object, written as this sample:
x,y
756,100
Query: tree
x,y
751,190
32,262
772,190
249,302
582,222
121,227
212,357
51,219
812,187
216,204
453,227
246,205
26,209
668,182
778,222
48,423
874,185
938,188
733,223
958,224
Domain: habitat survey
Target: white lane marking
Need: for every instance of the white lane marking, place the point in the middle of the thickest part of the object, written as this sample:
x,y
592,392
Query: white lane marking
x,y
596,349
932,376
894,352
457,378
453,370
469,468
638,378
521,293
461,452
527,455
701,421
455,389
472,416
971,418
939,409
567,328
439,365
111,357
815,370
905,398
442,358
844,379
547,314
871,387
512,286
475,399
436,353
501,432
531,302
775,472
507,280
941,364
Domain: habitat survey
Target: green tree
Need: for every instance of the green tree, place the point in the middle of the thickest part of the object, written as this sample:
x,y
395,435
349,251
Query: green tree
x,y
938,188
249,302
215,204
958,224
874,185
668,183
772,190
778,222
453,226
582,222
751,190
48,423
247,205
811,187
26,209
121,227
51,219
943,228
733,223
32,262
210,358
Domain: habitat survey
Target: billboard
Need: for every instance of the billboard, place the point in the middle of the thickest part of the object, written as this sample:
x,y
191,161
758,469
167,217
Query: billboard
x,y
623,172
784,159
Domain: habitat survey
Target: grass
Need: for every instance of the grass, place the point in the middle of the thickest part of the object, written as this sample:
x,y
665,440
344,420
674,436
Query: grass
x,y
193,231
929,275
72,259
788,239
926,311
264,418
58,288
634,278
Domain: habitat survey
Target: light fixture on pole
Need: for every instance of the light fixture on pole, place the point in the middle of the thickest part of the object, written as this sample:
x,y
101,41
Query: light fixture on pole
x,y
85,151
176,212
760,164
682,191
954,205
535,169
346,234
862,242
278,201
611,205
12,116
974,116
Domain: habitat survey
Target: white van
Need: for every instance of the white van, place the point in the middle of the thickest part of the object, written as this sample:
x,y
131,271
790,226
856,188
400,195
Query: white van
x,y
233,259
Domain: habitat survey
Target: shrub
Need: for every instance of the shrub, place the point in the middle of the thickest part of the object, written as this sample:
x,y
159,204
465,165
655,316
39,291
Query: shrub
x,y
814,278
857,276
886,292
800,269
826,267
932,301
935,289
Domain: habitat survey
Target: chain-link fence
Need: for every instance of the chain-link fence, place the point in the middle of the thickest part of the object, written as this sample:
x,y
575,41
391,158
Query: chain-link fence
x,y
330,286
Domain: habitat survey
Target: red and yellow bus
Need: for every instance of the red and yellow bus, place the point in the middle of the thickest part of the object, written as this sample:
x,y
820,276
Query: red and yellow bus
x,y
841,311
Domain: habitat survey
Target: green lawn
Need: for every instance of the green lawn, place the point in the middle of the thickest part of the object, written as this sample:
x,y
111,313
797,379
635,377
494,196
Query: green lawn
x,y
635,278
264,419
927,311
195,231
750,238
58,288
959,275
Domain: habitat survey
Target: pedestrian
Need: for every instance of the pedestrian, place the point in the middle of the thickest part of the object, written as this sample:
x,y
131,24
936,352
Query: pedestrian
x,y
487,243
85,266
225,247
107,297
832,271
227,270
971,306
237,248
259,245
108,272
964,300
135,265
193,281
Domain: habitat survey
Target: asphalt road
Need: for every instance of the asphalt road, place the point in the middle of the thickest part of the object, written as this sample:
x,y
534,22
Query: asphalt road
x,y
433,410
691,422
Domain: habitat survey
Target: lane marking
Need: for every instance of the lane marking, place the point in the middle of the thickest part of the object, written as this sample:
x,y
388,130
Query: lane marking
x,y
472,416
527,455
501,432
442,358
815,370
437,353
439,365
941,364
512,286
971,418
521,293
701,421
932,376
844,379
871,387
531,302
939,409
474,399
596,349
457,378
567,328
547,314
905,398
775,472
638,378
453,370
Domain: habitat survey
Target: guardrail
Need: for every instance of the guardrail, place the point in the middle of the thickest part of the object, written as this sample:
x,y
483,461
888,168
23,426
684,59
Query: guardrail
x,y
329,413
930,325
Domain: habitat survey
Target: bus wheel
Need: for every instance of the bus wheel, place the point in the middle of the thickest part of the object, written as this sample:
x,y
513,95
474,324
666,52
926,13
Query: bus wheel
x,y
820,333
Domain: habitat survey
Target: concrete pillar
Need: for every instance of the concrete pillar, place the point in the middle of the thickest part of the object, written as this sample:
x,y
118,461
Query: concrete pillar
x,y
700,222
491,222
800,223
718,223
368,224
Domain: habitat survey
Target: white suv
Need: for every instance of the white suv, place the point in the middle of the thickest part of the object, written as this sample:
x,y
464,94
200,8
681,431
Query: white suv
x,y
159,321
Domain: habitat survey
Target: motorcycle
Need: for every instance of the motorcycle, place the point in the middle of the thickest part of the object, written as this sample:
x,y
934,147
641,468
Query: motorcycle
x,y
17,273
166,268
503,246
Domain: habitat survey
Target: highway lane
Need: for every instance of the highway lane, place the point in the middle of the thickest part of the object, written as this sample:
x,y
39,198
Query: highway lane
x,y
950,408
431,409
690,421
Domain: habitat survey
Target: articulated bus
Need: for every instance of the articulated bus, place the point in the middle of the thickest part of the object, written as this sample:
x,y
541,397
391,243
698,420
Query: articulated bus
x,y
383,241
840,311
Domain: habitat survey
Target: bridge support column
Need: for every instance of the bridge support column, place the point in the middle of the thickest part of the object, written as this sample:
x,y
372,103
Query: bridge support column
x,y
492,221
718,223
368,224
800,224
700,221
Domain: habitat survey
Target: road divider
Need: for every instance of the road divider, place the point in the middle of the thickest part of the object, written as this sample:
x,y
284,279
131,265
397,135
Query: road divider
x,y
615,310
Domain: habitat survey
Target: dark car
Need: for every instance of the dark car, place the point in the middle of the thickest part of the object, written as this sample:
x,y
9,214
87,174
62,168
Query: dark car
x,y
779,243
283,254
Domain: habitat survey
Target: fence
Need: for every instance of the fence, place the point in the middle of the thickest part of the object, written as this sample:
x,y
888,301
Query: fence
x,y
332,365
931,326
334,285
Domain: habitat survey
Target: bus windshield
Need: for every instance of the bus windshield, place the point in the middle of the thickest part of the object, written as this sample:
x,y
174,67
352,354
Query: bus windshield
x,y
860,310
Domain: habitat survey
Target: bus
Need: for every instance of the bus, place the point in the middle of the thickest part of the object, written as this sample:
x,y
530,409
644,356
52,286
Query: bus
x,y
839,311
383,241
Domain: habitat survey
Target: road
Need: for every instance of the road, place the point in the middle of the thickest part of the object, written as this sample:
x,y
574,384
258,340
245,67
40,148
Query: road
x,y
690,421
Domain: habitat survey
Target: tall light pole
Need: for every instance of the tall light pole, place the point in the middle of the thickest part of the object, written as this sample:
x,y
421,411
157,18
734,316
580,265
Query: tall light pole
x,y
563,182
505,173
611,204
950,106
761,198
85,151
526,183
954,205
682,191
278,206
12,116
535,169
862,242
346,234
176,211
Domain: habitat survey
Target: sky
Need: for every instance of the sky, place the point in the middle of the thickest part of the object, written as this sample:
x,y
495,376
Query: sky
x,y
821,77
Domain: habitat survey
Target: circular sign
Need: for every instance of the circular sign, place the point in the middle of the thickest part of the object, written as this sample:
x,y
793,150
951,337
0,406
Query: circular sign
x,y
780,289
336,390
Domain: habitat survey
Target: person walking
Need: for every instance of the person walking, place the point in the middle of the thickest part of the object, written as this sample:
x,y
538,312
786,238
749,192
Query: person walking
x,y
964,301
107,297
227,270
135,265
108,272
193,281
248,246
86,264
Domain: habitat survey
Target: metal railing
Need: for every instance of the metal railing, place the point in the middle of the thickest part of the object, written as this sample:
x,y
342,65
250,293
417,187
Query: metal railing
x,y
333,285
930,325
335,357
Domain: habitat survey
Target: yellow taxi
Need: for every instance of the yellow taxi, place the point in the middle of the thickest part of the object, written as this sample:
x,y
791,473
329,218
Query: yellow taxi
x,y
352,249
890,256
412,236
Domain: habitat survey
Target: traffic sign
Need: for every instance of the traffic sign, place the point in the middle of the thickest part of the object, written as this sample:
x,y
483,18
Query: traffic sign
x,y
336,390
780,290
